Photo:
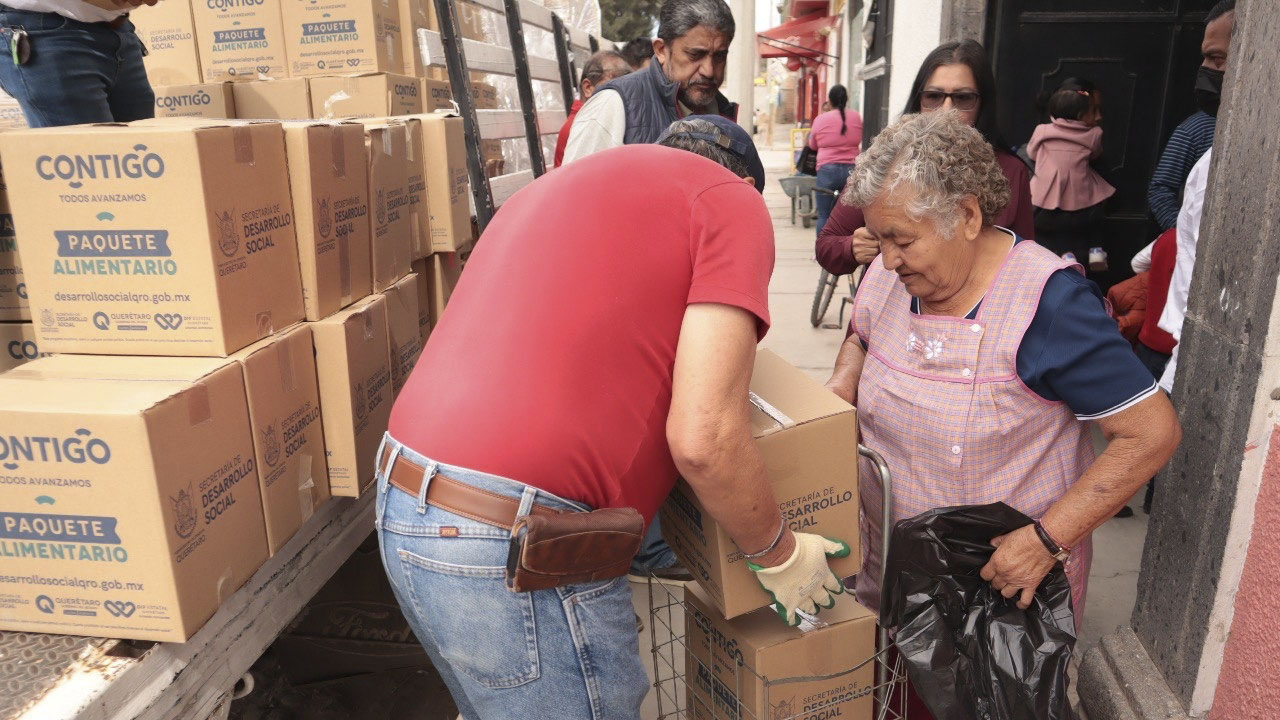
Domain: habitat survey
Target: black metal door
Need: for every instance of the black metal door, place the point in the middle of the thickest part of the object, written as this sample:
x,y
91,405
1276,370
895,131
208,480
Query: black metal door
x,y
1142,54
875,90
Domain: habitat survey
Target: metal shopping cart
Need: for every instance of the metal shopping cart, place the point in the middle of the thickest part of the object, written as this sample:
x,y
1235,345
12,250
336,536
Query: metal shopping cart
x,y
671,655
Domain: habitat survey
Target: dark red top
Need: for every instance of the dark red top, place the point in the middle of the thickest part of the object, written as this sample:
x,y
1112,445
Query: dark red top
x,y
562,140
1163,256
835,252
552,364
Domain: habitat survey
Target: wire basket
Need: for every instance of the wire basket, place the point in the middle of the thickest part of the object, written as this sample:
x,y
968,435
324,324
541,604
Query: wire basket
x,y
673,660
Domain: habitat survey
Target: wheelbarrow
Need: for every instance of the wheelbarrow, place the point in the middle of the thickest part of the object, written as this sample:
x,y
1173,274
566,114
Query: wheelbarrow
x,y
800,189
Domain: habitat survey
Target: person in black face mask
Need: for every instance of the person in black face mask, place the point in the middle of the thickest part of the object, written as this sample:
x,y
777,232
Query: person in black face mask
x,y
1194,136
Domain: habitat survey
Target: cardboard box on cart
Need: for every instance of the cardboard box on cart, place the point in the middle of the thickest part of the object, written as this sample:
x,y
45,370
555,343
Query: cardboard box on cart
x,y
130,506
13,286
365,96
173,236
415,171
444,154
329,180
717,686
199,100
335,36
283,99
168,32
424,270
239,40
18,345
403,332
390,197
808,438
288,439
353,364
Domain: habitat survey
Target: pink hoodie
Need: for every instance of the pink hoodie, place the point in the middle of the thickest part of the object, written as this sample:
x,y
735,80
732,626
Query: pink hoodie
x,y
1063,179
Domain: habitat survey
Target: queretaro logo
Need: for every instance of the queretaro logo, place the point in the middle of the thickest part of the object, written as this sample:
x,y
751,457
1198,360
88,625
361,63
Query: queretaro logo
x,y
361,406
118,608
324,221
44,604
46,317
381,208
184,513
228,238
271,445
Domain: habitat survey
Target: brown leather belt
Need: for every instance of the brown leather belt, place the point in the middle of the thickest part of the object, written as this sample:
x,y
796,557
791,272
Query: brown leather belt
x,y
460,498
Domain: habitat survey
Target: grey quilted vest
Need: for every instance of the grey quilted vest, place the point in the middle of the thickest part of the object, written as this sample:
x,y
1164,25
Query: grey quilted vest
x,y
651,105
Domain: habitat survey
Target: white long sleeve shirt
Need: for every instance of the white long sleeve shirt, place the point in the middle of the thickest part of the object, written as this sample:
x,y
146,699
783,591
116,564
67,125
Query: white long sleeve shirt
x,y
74,9
1175,308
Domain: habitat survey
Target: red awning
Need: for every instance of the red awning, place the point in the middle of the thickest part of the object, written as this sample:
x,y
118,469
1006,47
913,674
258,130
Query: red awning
x,y
802,39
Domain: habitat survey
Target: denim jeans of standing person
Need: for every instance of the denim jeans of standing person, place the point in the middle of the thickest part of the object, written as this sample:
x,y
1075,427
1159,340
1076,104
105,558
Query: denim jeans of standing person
x,y
77,72
831,176
568,652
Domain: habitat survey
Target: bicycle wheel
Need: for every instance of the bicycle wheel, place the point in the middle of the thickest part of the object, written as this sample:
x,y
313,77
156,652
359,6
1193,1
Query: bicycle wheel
x,y
822,296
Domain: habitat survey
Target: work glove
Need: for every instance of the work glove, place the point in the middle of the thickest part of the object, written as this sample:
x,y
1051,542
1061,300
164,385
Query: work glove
x,y
805,581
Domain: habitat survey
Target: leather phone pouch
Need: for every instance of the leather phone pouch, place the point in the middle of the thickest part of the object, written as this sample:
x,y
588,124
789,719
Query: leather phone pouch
x,y
549,551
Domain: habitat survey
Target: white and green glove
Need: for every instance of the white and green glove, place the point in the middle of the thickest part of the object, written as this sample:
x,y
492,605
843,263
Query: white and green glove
x,y
805,581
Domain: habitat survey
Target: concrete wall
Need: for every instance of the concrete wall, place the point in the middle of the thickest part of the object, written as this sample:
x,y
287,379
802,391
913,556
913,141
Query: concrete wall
x,y
1247,685
917,29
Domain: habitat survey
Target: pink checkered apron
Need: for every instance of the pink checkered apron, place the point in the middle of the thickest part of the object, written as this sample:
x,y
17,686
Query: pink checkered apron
x,y
941,399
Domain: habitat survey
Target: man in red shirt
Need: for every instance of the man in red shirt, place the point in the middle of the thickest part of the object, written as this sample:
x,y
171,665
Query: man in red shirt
x,y
599,344
600,69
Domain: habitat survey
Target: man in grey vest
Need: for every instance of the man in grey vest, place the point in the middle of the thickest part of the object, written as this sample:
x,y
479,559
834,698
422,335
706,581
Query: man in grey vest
x,y
684,79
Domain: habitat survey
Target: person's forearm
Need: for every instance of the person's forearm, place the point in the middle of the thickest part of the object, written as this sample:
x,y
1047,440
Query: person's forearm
x,y
833,247
732,485
1163,201
1124,467
848,369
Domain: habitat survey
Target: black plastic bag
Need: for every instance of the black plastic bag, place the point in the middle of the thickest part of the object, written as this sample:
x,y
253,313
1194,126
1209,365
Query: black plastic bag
x,y
971,654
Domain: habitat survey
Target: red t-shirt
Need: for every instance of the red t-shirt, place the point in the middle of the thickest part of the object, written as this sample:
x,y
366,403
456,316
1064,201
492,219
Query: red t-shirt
x,y
552,364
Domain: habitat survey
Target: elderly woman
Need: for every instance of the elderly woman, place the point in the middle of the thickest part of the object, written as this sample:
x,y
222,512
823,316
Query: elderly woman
x,y
978,359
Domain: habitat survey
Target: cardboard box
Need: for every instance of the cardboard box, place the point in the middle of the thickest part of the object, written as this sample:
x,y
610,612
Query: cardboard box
x,y
424,269
336,36
808,438
273,99
13,285
353,365
387,145
365,96
168,31
403,332
718,687
288,440
130,506
169,238
18,345
436,95
413,17
329,177
204,100
419,215
446,269
239,40
444,154
11,115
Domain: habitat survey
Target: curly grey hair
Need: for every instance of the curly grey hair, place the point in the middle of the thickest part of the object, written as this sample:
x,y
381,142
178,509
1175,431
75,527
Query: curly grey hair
x,y
677,136
939,156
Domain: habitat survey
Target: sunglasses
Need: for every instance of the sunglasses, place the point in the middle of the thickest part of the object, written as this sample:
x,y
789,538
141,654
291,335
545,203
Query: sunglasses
x,y
963,100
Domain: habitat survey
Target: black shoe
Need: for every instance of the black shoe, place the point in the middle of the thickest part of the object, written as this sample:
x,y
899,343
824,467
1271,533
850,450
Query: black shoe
x,y
1125,512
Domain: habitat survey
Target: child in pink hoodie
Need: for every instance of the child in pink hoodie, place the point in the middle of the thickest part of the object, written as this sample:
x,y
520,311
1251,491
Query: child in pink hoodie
x,y
1067,193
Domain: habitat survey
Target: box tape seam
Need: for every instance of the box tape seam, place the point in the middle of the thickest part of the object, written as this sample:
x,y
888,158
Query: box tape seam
x,y
306,487
768,409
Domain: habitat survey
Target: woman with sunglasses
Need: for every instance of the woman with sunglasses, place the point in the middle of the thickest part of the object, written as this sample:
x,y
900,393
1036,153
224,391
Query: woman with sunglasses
x,y
955,76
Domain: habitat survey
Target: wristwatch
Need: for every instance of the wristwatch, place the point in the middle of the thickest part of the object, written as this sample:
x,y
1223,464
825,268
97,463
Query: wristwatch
x,y
1058,552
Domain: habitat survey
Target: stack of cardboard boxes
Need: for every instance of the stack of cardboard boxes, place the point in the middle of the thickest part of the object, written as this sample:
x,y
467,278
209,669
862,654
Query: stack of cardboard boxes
x,y
225,357
293,59
808,440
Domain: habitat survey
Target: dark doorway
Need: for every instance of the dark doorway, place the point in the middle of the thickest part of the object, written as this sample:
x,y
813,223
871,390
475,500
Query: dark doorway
x,y
1142,54
875,102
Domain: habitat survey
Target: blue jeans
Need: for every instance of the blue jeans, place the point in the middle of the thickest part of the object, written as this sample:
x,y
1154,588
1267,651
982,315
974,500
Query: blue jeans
x,y
568,652
77,73
831,176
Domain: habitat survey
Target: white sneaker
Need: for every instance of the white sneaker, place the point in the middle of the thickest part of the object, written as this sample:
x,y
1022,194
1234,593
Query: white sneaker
x,y
1097,259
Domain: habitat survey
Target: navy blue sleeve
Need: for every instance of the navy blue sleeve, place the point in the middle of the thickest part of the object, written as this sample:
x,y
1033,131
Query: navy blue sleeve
x,y
1190,140
1073,352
